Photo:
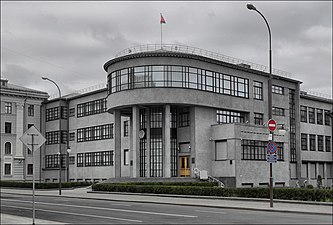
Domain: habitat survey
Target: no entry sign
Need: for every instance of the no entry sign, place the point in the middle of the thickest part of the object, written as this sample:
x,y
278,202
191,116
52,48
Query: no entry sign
x,y
271,125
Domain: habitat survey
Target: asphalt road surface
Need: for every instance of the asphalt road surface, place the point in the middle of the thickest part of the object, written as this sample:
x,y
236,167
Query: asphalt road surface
x,y
85,211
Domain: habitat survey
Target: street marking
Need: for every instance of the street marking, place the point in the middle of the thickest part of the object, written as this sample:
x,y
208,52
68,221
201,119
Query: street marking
x,y
210,212
119,210
76,214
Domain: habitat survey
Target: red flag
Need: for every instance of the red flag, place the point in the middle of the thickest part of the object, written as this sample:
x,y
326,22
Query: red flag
x,y
162,19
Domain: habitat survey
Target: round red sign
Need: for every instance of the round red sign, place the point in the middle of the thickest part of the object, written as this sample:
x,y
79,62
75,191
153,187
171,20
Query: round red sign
x,y
271,125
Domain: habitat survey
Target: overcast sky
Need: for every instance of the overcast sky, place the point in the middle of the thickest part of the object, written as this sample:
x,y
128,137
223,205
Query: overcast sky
x,y
69,42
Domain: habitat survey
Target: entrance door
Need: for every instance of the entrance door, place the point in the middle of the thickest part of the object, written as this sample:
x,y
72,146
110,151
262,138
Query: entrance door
x,y
184,166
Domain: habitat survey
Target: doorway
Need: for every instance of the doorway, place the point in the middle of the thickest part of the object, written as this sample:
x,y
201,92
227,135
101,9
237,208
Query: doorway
x,y
184,166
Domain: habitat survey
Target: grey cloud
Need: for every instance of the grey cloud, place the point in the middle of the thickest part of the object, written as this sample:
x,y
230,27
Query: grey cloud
x,y
82,36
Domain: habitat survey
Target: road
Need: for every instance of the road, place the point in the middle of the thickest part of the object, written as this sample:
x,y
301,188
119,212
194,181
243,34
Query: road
x,y
86,211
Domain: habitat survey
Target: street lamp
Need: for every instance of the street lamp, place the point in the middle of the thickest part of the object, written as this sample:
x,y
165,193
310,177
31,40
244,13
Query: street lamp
x,y
67,159
59,159
251,7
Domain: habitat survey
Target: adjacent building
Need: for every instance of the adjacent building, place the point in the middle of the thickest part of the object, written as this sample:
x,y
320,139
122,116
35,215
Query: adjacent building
x,y
20,109
172,111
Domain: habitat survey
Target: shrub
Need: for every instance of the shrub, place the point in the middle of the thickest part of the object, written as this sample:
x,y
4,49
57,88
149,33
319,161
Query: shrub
x,y
279,193
28,184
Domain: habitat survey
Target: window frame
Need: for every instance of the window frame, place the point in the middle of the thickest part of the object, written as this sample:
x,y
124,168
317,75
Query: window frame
x,y
8,108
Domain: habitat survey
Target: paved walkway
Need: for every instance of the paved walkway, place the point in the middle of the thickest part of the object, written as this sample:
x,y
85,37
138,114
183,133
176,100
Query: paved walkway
x,y
222,202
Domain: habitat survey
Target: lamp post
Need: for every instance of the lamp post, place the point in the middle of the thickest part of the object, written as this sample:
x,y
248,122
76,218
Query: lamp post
x,y
59,159
251,7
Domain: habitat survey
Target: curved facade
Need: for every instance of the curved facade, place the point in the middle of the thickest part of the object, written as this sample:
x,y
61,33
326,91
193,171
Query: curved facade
x,y
188,111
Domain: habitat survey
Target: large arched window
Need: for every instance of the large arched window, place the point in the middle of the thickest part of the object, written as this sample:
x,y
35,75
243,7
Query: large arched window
x,y
8,148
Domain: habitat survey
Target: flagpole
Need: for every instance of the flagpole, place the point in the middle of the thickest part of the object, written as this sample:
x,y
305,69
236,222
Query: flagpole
x,y
161,32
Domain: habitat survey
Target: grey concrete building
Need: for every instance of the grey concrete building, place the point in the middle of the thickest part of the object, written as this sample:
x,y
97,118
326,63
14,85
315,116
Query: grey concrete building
x,y
20,109
175,111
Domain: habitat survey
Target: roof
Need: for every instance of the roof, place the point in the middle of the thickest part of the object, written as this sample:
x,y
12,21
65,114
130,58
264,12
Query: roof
x,y
16,90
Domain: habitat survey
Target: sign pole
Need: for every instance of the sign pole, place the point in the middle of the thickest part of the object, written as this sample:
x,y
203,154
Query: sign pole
x,y
29,138
271,127
33,178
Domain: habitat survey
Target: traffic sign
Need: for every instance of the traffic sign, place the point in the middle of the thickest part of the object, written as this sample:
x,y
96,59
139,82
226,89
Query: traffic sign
x,y
37,141
271,158
271,147
271,125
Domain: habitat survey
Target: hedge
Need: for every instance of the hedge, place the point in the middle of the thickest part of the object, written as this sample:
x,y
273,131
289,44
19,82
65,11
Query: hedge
x,y
279,193
28,184
201,184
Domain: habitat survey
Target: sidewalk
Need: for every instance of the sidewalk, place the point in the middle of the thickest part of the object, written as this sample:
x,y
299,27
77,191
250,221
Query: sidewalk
x,y
220,202
10,219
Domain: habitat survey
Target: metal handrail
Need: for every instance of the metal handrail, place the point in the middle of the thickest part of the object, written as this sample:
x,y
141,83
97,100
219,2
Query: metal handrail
x,y
199,52
196,172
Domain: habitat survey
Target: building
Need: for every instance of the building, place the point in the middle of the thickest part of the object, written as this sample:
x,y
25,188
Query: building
x,y
173,111
20,109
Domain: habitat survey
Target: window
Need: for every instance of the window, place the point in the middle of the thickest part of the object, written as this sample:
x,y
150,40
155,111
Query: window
x,y
71,112
101,158
30,169
277,90
221,150
8,169
225,116
177,76
257,150
125,128
8,148
184,117
312,142
126,157
258,118
8,108
311,115
52,161
100,132
328,143
320,142
304,114
31,110
53,137
292,122
156,142
80,157
319,116
278,111
52,114
91,108
304,141
30,125
257,90
71,160
72,136
8,128
328,118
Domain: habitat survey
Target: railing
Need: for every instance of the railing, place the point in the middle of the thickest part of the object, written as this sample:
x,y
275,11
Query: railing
x,y
196,172
84,90
200,52
213,179
317,94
